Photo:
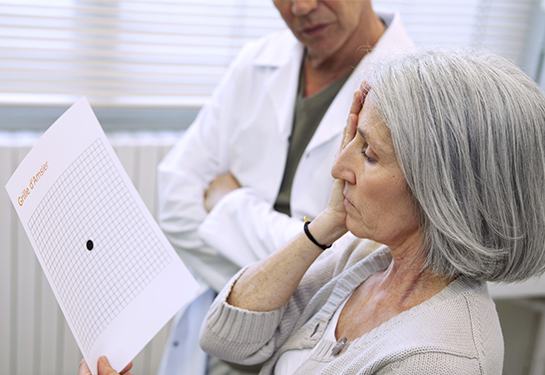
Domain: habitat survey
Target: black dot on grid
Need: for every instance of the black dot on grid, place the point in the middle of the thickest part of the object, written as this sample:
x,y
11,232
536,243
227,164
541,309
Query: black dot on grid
x,y
89,245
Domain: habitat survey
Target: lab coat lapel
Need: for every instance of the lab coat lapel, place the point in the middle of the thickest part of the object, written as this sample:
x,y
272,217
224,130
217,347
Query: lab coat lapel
x,y
281,87
334,120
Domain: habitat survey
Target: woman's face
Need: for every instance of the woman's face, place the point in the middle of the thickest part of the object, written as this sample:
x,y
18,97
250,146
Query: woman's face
x,y
378,203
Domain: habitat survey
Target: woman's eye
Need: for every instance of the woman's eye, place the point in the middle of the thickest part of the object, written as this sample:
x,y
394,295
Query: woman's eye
x,y
370,160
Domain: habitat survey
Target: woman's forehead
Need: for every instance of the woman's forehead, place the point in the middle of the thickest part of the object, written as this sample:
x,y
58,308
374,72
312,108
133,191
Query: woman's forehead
x,y
372,128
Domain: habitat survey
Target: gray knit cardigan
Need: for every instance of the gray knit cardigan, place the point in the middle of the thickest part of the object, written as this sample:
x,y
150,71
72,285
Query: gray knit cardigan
x,y
455,332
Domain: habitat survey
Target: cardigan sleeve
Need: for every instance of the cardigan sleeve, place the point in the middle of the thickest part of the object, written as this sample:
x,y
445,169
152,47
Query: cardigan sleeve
x,y
237,335
250,337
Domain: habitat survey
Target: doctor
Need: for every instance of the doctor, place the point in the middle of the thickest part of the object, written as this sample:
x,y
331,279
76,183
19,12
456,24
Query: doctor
x,y
257,159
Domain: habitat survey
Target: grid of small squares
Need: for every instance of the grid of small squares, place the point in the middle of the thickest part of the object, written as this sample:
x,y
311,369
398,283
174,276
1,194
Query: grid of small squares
x,y
91,202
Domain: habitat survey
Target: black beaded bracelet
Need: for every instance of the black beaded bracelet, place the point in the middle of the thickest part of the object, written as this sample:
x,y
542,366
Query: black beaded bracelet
x,y
307,232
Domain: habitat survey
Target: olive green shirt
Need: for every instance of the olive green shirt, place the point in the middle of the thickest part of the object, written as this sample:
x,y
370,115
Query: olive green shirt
x,y
307,116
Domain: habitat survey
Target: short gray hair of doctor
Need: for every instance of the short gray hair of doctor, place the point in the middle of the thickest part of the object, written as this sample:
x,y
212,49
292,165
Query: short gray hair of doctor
x,y
468,130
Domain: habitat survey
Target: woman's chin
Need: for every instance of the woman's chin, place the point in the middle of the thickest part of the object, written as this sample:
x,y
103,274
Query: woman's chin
x,y
356,228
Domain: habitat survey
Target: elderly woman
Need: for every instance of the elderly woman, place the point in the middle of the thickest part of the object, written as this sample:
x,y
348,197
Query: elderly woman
x,y
441,174
443,165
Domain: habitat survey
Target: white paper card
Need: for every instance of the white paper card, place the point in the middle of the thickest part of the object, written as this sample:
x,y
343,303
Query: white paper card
x,y
116,277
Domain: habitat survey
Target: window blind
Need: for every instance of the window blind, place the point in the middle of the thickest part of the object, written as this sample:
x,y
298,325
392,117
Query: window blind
x,y
498,26
117,52
172,53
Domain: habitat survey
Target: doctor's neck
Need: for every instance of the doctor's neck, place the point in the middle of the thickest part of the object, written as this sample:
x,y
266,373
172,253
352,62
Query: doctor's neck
x,y
322,69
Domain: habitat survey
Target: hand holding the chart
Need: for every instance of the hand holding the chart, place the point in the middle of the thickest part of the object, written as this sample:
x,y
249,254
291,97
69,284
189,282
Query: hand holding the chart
x,y
103,367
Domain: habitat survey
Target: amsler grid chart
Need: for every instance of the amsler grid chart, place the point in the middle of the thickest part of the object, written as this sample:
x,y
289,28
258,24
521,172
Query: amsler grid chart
x,y
79,227
115,275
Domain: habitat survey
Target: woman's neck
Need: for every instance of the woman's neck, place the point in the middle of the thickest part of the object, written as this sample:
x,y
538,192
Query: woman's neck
x,y
407,282
385,295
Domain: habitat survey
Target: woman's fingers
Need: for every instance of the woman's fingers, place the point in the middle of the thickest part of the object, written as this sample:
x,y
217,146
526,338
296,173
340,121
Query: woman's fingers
x,y
357,102
355,109
336,199
364,91
83,368
359,98
350,130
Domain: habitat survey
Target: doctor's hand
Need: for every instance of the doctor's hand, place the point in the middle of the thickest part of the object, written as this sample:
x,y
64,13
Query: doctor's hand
x,y
103,367
219,187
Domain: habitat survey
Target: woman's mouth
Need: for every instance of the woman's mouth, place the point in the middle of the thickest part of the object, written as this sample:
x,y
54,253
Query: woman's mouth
x,y
347,203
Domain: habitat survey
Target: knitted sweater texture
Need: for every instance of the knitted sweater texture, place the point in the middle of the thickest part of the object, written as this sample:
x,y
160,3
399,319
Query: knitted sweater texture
x,y
456,331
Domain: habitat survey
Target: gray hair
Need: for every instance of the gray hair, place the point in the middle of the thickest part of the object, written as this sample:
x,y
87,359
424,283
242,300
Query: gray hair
x,y
468,130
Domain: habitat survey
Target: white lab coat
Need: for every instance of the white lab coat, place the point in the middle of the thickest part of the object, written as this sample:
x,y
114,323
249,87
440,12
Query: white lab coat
x,y
245,130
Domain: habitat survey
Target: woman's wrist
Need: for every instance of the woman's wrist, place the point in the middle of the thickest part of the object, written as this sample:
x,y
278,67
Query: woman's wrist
x,y
311,237
325,230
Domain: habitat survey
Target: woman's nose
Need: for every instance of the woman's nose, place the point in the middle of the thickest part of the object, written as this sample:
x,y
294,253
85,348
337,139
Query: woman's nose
x,y
303,7
342,166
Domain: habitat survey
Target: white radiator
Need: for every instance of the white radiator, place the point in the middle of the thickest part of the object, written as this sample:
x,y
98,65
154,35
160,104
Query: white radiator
x,y
34,337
